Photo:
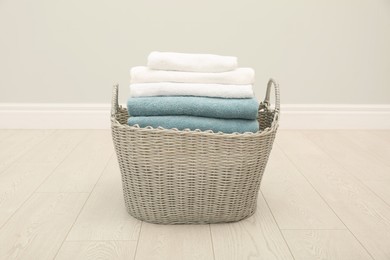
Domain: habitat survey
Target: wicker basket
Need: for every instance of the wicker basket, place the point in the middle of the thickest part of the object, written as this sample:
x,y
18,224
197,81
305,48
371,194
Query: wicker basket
x,y
192,177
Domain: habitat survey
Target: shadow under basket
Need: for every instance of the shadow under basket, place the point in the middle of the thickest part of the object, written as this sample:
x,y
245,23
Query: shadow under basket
x,y
192,177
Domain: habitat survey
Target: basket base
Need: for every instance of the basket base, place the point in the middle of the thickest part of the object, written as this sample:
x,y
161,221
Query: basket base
x,y
191,221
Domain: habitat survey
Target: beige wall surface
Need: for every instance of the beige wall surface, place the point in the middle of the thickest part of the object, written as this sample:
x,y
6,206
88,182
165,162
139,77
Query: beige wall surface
x,y
71,51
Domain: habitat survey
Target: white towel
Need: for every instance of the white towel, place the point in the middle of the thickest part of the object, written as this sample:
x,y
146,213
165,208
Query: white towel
x,y
190,89
240,76
191,62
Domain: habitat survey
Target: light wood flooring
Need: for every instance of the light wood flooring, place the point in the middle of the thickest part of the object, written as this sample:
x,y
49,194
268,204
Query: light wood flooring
x,y
324,195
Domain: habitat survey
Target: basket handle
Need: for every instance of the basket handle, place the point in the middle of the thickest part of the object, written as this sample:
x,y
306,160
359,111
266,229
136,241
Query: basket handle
x,y
266,101
114,100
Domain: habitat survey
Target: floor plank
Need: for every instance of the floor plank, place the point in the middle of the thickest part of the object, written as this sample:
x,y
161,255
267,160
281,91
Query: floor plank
x,y
324,245
364,214
104,216
381,188
256,237
359,162
19,142
4,133
22,178
80,171
384,134
362,164
292,200
371,142
172,242
84,250
37,230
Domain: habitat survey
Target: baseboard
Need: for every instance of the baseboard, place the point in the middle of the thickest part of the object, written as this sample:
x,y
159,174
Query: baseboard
x,y
329,116
55,116
97,116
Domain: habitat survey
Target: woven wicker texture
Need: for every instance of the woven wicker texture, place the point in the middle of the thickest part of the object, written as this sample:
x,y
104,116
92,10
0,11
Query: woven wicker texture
x,y
192,177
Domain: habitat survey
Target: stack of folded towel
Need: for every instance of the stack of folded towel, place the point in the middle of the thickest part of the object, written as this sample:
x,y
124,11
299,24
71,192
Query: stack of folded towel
x,y
195,91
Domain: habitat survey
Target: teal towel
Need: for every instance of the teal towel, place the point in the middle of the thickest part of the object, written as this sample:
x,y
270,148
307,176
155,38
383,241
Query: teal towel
x,y
242,108
194,122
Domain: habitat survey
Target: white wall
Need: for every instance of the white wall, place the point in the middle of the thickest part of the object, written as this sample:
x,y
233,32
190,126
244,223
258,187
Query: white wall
x,y
71,51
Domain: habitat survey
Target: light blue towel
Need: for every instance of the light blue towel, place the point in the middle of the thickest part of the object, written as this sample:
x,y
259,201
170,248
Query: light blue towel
x,y
242,108
194,122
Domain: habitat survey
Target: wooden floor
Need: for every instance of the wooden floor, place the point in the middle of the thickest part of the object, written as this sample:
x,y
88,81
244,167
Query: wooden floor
x,y
324,195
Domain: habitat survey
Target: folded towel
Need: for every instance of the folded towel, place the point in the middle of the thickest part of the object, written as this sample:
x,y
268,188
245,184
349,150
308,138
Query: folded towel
x,y
246,108
193,122
240,76
191,62
190,89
